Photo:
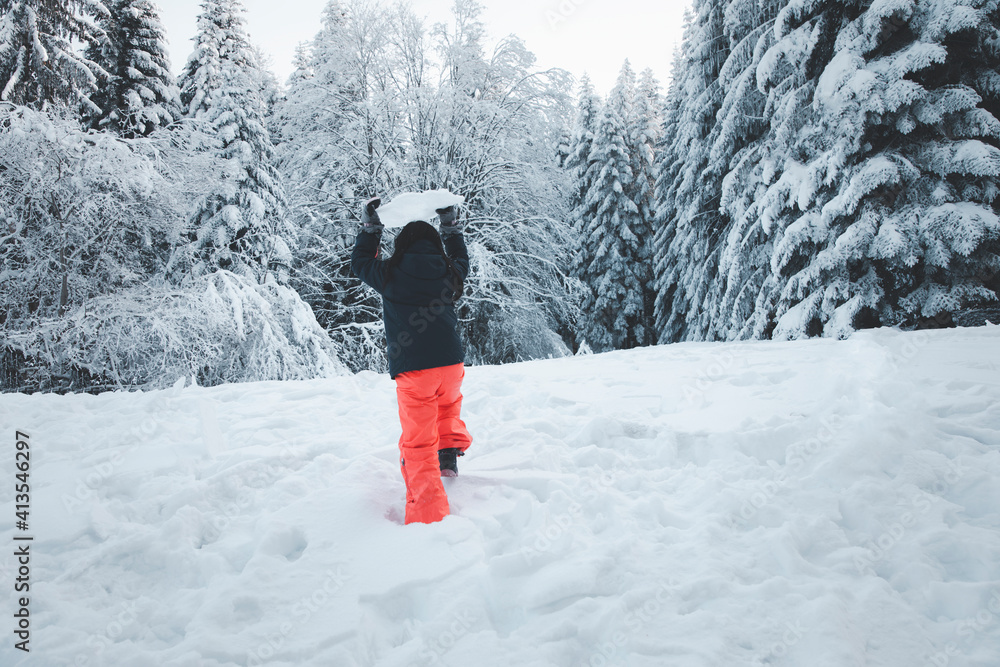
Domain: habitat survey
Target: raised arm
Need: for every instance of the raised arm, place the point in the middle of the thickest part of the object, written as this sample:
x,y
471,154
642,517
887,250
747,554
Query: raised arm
x,y
364,260
454,240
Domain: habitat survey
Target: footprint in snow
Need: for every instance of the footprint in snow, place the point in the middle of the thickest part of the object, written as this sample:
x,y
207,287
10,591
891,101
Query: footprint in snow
x,y
286,541
247,610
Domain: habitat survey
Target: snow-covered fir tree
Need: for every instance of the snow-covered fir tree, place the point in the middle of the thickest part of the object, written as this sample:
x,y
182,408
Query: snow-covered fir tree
x,y
564,146
668,166
243,226
716,121
583,170
840,173
616,238
268,86
882,192
690,224
140,93
738,144
579,159
645,130
40,63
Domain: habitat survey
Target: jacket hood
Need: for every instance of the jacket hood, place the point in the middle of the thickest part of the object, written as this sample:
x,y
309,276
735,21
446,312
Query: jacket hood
x,y
423,260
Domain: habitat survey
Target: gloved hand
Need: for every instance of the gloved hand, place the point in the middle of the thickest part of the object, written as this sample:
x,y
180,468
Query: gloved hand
x,y
369,216
449,220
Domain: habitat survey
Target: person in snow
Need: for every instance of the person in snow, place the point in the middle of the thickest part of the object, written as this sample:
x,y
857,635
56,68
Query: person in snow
x,y
420,285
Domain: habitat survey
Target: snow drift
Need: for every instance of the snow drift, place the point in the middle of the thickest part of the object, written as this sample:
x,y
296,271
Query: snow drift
x,y
806,503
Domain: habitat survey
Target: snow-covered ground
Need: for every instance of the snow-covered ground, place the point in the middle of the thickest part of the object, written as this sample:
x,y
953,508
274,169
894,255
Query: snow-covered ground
x,y
811,503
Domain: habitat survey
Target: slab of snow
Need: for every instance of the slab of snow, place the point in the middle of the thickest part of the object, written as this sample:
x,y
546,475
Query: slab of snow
x,y
812,503
409,206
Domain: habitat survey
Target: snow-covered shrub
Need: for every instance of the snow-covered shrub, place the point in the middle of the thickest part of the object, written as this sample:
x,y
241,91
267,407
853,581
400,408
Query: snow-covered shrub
x,y
361,345
508,278
81,214
218,328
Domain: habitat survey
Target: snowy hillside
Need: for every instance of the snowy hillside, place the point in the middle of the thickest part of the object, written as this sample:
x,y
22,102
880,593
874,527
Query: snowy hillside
x,y
809,503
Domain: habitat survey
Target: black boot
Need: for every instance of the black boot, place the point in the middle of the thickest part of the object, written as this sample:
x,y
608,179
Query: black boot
x,y
448,458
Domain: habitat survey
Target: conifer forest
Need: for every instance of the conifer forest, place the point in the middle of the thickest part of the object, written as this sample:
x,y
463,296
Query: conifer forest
x,y
809,168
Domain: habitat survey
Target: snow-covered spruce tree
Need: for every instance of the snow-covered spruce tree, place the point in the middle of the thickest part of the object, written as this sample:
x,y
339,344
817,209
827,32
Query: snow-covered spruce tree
x,y
242,226
668,166
583,168
140,94
645,129
616,237
739,142
706,292
268,86
690,225
564,146
580,158
882,193
39,60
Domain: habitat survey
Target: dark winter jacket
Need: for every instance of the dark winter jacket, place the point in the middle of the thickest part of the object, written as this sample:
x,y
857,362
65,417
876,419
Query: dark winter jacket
x,y
421,326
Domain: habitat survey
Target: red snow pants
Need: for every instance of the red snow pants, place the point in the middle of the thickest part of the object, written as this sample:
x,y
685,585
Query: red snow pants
x,y
430,403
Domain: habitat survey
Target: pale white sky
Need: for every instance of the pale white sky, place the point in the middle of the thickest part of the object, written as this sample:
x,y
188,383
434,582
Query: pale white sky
x,y
592,36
